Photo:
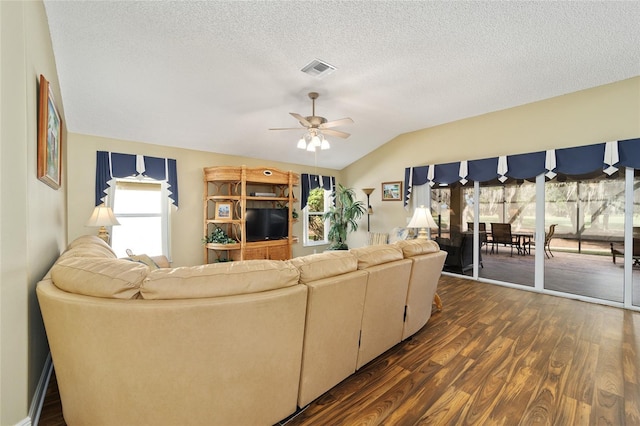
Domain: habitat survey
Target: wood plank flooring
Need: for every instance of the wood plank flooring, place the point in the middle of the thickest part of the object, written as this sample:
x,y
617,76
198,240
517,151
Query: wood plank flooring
x,y
493,356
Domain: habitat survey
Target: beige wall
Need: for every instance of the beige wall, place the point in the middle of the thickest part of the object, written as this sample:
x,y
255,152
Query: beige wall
x,y
32,215
610,112
187,220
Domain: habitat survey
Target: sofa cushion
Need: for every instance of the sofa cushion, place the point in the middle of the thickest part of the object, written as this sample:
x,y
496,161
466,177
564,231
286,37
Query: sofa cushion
x,y
218,279
91,239
88,250
376,255
417,247
398,234
111,278
323,265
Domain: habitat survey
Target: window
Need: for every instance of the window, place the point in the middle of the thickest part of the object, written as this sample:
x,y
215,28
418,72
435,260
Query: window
x,y
142,208
316,229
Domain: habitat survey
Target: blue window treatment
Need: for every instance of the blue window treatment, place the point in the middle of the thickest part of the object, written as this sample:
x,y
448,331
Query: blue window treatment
x,y
629,152
447,173
483,170
309,182
110,165
526,166
581,160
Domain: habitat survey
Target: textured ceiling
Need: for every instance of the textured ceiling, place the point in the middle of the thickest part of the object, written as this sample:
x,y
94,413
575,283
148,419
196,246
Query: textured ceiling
x,y
216,75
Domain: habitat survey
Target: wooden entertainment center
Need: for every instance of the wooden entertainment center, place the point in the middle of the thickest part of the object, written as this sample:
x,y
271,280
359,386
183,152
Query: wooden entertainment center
x,y
228,192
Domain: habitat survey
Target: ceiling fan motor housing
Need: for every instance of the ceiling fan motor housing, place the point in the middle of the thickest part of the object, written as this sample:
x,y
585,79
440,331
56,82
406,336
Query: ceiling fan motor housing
x,y
315,120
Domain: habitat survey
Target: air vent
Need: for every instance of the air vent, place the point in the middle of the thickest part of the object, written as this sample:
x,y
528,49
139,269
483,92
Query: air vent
x,y
318,68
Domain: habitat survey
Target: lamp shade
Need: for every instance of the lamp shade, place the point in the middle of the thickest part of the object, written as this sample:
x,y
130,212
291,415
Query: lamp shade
x,y
422,219
102,216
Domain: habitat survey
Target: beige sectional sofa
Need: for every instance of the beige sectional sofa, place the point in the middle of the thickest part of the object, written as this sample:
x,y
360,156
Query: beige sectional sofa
x,y
231,343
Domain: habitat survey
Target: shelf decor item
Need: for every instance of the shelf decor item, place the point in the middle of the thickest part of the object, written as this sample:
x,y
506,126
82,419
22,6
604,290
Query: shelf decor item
x,y
223,211
391,191
218,236
49,137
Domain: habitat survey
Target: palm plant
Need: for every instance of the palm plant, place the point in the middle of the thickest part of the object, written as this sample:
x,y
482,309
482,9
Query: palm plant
x,y
343,217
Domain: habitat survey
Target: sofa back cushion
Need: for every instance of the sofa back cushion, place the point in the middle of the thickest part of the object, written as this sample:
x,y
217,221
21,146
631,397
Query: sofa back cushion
x,y
99,277
377,255
92,240
417,247
218,279
324,265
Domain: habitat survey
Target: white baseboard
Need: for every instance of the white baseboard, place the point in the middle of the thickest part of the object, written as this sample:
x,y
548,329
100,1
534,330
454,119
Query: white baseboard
x,y
38,398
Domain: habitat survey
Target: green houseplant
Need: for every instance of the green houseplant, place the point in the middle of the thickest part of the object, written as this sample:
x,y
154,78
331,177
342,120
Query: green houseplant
x,y
343,217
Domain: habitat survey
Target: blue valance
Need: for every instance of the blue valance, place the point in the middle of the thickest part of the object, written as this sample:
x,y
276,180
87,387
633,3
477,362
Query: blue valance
x,y
607,157
580,160
309,182
629,153
110,165
483,170
526,166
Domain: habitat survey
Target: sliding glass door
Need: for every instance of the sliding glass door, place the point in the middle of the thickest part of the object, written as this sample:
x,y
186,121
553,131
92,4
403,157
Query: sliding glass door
x,y
584,255
635,244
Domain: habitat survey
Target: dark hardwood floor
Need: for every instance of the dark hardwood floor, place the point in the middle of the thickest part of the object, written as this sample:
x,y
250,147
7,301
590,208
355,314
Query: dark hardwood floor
x,y
494,355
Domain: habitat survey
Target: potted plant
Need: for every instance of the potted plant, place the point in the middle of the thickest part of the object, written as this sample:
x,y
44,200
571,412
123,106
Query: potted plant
x,y
218,236
343,217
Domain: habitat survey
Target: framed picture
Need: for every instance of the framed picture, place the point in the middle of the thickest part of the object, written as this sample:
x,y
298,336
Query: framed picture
x,y
391,191
223,211
49,137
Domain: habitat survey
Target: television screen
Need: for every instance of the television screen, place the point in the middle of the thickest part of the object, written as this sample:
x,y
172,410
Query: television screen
x,y
266,224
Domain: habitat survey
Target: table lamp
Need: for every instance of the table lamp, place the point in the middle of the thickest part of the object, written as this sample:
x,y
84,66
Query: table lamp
x,y
422,219
102,216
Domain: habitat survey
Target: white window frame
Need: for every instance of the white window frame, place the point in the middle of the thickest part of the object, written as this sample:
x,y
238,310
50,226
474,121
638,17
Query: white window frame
x,y
165,210
305,217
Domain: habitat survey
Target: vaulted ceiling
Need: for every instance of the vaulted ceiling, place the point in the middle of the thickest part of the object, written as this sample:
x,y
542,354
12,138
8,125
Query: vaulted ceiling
x,y
216,75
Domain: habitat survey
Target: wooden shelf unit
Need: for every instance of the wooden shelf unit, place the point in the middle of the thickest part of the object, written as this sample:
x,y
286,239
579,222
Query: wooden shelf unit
x,y
233,185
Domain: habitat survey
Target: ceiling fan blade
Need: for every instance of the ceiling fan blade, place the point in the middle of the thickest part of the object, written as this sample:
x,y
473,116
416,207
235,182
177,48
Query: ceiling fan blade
x,y
337,133
287,128
336,123
301,119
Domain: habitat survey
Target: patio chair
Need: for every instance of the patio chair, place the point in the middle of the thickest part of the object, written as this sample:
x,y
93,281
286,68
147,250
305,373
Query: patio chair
x,y
619,251
501,234
547,239
482,230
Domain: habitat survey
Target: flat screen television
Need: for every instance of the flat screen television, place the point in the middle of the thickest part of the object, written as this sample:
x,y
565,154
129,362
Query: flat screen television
x,y
266,224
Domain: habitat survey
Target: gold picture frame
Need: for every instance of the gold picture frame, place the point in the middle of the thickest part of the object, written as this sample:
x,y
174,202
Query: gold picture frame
x,y
49,137
224,210
392,191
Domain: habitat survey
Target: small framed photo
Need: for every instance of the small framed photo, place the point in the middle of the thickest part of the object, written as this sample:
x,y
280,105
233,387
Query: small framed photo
x,y
49,137
223,211
391,191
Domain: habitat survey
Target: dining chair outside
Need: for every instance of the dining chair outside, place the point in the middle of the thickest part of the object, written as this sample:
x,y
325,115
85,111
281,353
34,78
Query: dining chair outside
x,y
484,239
501,234
547,240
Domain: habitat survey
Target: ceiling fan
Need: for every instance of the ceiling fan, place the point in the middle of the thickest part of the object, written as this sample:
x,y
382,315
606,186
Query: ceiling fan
x,y
317,127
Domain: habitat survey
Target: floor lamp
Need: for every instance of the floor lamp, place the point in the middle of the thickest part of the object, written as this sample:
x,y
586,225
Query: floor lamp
x,y
368,191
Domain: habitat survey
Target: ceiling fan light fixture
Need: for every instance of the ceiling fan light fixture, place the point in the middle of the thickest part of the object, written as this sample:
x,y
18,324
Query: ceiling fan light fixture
x,y
311,147
325,144
302,144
